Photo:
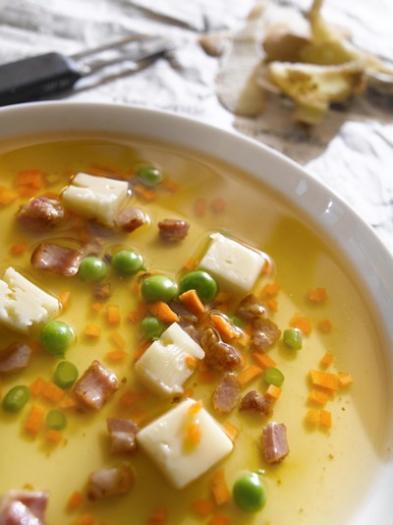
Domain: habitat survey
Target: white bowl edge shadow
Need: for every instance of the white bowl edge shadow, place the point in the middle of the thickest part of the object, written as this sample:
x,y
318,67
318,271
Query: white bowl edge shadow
x,y
359,245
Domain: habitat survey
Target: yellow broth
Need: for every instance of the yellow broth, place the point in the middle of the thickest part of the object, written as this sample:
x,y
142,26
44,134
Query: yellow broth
x,y
326,474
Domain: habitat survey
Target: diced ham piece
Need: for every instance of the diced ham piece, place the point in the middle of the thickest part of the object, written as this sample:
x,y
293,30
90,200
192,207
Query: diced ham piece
x,y
107,482
19,507
265,334
173,230
219,355
256,402
130,219
274,442
250,308
96,386
15,357
102,291
122,433
226,394
40,214
57,259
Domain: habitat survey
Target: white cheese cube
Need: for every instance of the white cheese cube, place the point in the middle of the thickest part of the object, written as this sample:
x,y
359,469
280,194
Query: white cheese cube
x,y
95,197
163,366
235,266
164,441
22,304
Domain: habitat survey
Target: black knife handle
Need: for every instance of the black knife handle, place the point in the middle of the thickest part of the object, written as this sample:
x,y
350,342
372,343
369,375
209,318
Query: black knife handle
x,y
36,77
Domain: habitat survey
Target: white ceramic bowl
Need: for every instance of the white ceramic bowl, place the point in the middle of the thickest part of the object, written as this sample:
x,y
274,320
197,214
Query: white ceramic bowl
x,y
370,262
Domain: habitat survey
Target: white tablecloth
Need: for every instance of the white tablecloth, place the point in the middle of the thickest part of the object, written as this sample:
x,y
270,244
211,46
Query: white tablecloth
x,y
352,151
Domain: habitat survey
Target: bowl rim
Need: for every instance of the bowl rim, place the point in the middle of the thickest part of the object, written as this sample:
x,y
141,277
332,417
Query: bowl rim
x,y
367,256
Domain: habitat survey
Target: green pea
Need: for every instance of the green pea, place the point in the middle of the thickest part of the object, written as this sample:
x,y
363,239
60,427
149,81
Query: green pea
x,y
273,376
200,281
65,374
152,327
92,269
149,175
16,398
159,288
56,420
249,493
127,262
292,337
56,337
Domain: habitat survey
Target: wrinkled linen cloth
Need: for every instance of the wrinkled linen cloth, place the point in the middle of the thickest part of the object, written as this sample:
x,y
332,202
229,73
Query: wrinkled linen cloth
x,y
351,151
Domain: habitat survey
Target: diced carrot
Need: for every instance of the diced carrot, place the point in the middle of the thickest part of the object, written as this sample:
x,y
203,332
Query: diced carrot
x,y
67,402
29,182
325,419
318,397
273,392
219,519
52,392
65,298
92,331
267,267
190,264
97,307
326,360
19,248
34,421
302,323
192,302
118,340
140,349
325,326
272,304
223,327
115,356
85,519
230,430
194,408
75,500
188,392
264,360
248,374
144,193
158,517
219,487
313,416
163,312
191,362
200,207
202,507
218,205
193,434
317,295
53,437
170,185
344,379
113,317
325,380
37,386
130,397
270,290
7,196
138,314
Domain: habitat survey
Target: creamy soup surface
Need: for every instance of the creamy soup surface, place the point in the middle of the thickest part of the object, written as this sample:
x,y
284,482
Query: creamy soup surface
x,y
327,471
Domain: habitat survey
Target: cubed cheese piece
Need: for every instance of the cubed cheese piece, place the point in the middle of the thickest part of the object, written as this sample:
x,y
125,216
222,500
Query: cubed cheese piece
x,y
235,266
95,197
163,440
164,366
22,304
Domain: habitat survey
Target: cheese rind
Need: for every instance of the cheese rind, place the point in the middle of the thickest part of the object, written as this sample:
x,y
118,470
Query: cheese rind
x,y
163,367
235,266
163,441
24,305
95,197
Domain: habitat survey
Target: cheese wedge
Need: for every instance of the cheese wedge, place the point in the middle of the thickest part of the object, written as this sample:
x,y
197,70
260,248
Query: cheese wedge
x,y
23,305
95,197
166,365
235,266
163,440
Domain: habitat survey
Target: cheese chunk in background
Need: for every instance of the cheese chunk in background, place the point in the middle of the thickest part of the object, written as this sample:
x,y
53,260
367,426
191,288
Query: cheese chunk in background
x,y
24,305
95,197
163,442
235,266
163,367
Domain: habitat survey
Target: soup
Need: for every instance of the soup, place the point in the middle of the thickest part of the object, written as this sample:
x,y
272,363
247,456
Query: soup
x,y
54,431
